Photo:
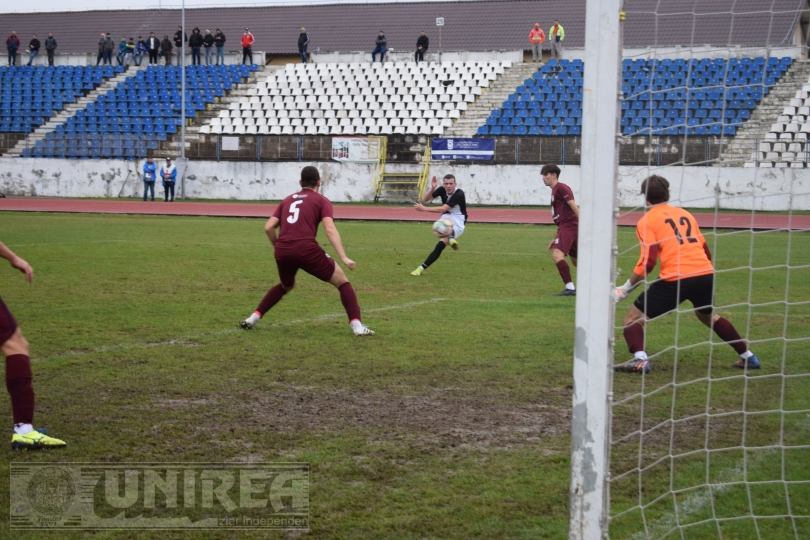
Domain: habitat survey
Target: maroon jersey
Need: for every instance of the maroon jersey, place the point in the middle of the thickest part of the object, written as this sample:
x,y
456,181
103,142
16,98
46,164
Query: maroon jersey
x,y
561,213
299,216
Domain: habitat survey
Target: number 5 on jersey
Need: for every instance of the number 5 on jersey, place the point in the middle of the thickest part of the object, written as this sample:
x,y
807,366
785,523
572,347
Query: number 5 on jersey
x,y
294,211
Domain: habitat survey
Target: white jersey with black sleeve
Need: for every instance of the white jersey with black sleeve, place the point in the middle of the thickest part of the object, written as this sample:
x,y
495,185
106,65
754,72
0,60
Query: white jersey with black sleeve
x,y
458,208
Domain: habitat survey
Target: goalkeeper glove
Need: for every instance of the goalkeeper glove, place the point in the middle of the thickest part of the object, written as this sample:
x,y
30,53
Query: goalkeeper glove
x,y
620,293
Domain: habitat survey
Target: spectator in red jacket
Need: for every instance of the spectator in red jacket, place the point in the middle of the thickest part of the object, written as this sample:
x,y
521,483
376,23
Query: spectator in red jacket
x,y
12,44
247,44
536,39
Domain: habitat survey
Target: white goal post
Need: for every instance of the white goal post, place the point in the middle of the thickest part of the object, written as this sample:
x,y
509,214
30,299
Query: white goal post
x,y
595,270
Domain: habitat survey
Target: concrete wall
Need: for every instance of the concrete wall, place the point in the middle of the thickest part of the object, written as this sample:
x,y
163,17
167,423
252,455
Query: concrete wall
x,y
406,55
89,59
698,187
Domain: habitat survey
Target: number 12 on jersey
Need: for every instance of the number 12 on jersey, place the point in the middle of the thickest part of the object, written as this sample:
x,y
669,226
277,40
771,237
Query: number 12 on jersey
x,y
685,224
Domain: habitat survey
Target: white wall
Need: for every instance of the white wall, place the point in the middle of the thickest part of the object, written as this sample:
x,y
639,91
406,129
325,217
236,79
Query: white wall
x,y
406,55
697,187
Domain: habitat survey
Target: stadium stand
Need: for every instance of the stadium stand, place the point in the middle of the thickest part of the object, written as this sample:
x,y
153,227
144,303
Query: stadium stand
x,y
358,98
702,97
547,103
29,96
785,145
139,113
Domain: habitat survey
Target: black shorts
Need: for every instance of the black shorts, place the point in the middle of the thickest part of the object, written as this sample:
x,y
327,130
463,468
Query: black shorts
x,y
664,296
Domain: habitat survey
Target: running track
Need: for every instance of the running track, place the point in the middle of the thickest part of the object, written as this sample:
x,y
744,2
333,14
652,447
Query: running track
x,y
540,215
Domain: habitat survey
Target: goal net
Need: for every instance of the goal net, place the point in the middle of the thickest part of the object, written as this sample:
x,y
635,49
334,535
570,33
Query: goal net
x,y
714,96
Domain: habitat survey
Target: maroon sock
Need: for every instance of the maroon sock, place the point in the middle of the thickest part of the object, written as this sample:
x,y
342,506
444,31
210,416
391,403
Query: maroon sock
x,y
634,336
271,299
723,328
349,300
565,272
18,383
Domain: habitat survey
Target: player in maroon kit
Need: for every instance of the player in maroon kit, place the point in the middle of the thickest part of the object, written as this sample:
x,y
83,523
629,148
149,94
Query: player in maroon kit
x,y
292,231
565,212
18,371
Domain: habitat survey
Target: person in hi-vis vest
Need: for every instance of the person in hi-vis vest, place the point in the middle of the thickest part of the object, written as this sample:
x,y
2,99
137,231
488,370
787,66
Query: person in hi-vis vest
x,y
556,35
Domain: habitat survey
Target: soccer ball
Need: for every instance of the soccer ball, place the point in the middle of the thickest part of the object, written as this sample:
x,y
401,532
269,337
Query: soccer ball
x,y
443,227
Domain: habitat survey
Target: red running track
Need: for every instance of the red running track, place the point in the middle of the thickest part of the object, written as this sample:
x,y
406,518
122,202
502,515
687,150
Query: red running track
x,y
539,215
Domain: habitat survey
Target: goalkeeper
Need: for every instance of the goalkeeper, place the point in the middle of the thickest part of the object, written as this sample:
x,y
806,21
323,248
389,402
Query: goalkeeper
x,y
671,235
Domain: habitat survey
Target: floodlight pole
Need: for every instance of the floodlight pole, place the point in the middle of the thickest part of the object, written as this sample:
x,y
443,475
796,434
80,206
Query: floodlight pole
x,y
593,346
182,157
440,24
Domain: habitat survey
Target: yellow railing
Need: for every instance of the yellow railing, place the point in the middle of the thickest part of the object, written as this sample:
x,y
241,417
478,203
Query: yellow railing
x,y
423,178
380,174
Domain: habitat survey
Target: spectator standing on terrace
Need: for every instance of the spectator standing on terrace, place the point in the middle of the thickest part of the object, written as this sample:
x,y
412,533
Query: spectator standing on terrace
x,y
536,39
208,43
169,174
129,52
100,55
109,47
247,45
219,43
140,50
50,47
149,177
196,43
153,47
179,38
380,47
166,50
12,44
33,49
422,43
121,52
556,35
303,43
14,347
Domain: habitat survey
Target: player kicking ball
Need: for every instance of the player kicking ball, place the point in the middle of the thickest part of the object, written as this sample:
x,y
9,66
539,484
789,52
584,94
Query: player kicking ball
x,y
292,231
671,235
453,209
18,371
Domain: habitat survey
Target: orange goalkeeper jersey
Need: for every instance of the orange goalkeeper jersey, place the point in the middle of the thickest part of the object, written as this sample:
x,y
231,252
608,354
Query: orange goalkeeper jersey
x,y
672,235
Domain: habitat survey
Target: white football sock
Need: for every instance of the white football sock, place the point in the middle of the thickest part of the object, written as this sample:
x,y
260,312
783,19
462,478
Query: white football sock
x,y
22,429
640,355
570,286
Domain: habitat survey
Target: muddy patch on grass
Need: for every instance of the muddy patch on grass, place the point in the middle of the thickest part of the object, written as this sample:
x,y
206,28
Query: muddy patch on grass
x,y
434,419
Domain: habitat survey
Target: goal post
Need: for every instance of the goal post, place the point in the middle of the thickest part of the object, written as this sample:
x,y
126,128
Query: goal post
x,y
595,271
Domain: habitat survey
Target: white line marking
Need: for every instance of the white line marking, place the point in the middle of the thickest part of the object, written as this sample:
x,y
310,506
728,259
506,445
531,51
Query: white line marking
x,y
190,340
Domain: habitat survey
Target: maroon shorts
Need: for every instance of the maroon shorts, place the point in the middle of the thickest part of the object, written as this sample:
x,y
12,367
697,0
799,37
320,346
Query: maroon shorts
x,y
566,241
7,323
311,258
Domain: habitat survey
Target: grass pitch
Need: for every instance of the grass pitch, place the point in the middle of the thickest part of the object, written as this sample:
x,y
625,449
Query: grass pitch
x,y
451,422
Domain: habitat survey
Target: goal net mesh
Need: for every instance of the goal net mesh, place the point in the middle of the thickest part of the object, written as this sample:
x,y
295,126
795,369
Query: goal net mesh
x,y
716,96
